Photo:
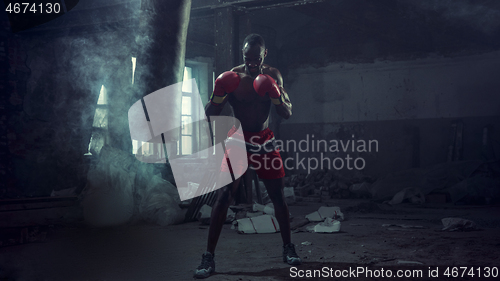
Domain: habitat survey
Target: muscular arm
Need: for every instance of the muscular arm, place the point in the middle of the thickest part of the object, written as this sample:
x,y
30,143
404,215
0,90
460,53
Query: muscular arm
x,y
285,109
212,110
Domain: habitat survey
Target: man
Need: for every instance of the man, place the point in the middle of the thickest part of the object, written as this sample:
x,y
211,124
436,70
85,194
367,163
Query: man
x,y
251,89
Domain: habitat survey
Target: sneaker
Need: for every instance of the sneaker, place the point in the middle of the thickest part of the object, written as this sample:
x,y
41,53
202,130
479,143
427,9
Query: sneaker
x,y
290,256
207,266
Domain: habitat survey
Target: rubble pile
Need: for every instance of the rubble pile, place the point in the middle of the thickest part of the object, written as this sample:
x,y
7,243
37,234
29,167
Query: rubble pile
x,y
322,185
257,218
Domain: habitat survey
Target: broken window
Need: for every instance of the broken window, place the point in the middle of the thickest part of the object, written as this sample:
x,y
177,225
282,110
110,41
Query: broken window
x,y
100,124
185,144
189,141
145,148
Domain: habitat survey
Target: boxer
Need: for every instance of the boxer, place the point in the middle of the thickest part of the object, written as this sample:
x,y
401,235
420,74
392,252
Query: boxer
x,y
251,89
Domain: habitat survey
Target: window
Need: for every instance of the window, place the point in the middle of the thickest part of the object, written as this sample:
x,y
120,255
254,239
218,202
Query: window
x,y
188,141
190,138
101,112
100,124
185,144
193,134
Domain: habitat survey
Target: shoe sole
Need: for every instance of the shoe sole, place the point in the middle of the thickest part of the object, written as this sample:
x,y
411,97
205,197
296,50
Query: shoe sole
x,y
204,275
292,261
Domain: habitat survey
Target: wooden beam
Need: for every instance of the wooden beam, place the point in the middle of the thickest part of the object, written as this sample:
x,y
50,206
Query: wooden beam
x,y
216,4
202,8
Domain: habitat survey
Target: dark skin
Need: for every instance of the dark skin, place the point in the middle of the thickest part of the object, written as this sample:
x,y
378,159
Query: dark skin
x,y
252,111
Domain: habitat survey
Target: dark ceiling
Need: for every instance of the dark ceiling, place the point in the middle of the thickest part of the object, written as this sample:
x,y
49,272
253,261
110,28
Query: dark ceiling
x,y
423,26
399,26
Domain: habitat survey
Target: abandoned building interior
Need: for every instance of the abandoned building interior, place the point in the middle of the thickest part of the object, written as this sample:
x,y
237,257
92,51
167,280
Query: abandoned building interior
x,y
391,155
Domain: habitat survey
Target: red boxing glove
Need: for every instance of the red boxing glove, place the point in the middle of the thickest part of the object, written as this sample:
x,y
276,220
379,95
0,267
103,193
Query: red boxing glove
x,y
226,83
263,84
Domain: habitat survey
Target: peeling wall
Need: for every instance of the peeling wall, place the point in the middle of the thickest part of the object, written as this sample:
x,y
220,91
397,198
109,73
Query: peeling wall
x,y
427,88
407,106
402,144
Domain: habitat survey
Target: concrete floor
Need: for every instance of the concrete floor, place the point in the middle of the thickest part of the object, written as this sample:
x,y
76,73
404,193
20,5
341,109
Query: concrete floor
x,y
151,252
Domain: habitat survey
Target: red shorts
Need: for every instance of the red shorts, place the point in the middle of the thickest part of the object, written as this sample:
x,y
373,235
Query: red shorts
x,y
268,165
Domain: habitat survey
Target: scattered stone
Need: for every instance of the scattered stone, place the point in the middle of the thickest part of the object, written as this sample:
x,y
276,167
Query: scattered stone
x,y
458,224
328,226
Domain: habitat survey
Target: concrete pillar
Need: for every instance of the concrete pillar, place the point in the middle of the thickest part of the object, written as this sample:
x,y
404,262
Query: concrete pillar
x,y
119,89
161,49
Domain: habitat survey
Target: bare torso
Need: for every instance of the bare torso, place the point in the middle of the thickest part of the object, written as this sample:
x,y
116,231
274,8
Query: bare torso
x,y
249,108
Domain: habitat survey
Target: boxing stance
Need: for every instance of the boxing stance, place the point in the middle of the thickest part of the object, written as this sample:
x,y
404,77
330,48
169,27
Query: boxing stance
x,y
251,89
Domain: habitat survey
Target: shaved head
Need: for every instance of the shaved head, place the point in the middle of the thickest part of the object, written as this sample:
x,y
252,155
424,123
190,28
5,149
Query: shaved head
x,y
253,40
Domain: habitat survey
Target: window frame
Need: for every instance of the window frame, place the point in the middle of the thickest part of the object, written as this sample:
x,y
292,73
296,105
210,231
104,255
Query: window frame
x,y
202,72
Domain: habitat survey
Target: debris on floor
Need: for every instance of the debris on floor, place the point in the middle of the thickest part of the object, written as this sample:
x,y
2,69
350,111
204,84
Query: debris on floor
x,y
262,190
159,202
478,190
458,224
121,189
268,209
307,228
457,179
231,216
360,190
253,214
403,225
325,212
260,224
323,185
412,194
189,191
328,226
206,212
289,194
298,222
